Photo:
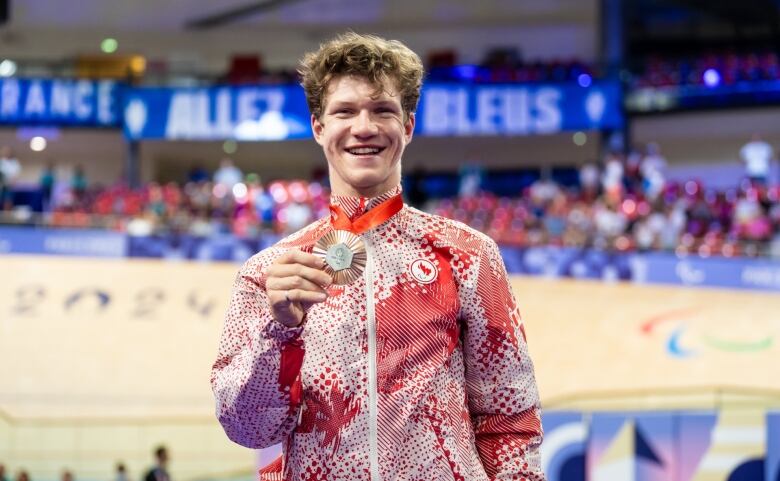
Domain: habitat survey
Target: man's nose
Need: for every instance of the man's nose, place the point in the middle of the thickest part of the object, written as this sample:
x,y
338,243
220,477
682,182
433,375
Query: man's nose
x,y
364,125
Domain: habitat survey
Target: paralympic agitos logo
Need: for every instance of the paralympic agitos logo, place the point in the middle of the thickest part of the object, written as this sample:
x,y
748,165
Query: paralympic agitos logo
x,y
689,337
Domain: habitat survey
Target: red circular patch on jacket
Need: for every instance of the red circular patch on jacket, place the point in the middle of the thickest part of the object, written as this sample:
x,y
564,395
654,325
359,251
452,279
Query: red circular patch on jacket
x,y
423,271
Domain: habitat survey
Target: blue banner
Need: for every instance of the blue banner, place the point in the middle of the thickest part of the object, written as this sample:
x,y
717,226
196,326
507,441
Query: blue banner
x,y
547,261
520,109
215,113
63,242
551,261
565,442
655,445
59,102
740,273
215,248
280,113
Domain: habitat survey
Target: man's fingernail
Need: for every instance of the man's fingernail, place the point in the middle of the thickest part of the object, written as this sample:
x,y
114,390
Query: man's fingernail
x,y
322,296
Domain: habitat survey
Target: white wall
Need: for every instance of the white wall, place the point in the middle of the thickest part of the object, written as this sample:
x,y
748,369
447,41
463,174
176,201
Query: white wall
x,y
706,144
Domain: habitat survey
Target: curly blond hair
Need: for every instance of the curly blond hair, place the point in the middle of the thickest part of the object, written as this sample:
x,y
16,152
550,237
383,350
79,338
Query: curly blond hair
x,y
374,58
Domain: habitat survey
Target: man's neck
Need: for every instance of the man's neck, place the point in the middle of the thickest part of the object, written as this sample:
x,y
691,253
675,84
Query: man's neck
x,y
350,191
355,205
363,193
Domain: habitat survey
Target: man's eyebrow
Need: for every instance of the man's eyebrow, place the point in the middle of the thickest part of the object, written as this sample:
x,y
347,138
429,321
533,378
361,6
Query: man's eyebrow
x,y
340,103
386,103
373,103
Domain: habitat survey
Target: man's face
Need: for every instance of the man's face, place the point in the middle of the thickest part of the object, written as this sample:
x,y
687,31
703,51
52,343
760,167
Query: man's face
x,y
363,135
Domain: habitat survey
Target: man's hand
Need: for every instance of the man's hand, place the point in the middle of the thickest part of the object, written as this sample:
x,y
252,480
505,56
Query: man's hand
x,y
293,283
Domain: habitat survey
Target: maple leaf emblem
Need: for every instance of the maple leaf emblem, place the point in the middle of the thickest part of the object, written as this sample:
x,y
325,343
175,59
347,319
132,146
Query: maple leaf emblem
x,y
328,413
425,269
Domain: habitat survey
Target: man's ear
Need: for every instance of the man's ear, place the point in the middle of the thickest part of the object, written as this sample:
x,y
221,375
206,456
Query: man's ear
x,y
316,128
409,127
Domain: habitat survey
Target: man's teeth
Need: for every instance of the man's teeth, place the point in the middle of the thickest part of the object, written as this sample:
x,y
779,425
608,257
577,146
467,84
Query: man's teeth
x,y
364,151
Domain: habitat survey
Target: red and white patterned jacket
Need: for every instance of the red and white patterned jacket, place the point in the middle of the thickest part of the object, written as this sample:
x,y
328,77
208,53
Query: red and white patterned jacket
x,y
418,370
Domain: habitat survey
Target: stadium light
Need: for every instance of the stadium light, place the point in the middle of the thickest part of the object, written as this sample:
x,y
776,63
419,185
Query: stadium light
x,y
7,68
711,77
109,45
38,144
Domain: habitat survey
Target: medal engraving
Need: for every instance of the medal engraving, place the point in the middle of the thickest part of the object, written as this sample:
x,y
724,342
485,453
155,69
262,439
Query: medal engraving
x,y
344,255
339,257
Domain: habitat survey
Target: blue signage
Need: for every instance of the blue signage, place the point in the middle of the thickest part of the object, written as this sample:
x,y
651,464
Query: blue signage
x,y
214,248
214,113
280,113
59,102
64,242
519,109
740,273
253,113
547,261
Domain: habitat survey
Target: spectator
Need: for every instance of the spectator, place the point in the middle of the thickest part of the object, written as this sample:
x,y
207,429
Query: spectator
x,y
589,181
751,222
757,155
197,174
653,170
228,174
2,473
121,472
612,178
46,185
78,183
471,175
260,200
9,171
298,215
416,193
159,472
23,476
67,476
609,222
632,173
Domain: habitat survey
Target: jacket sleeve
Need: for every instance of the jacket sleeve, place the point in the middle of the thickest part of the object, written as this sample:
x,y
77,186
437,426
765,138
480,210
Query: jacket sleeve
x,y
256,377
502,395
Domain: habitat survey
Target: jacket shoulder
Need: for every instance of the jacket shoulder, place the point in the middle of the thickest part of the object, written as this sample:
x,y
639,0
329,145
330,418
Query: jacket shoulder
x,y
453,232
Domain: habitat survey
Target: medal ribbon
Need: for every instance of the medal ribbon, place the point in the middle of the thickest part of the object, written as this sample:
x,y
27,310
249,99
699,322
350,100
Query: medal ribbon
x,y
379,214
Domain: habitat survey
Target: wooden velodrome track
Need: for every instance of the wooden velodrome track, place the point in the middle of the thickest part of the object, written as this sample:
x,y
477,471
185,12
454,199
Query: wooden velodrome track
x,y
119,351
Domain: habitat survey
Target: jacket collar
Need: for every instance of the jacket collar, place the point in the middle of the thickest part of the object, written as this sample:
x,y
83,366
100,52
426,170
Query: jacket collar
x,y
356,206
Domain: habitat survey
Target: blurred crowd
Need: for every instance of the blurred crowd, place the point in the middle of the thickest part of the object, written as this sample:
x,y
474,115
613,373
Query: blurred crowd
x,y
684,217
623,203
230,202
713,69
508,67
626,203
497,65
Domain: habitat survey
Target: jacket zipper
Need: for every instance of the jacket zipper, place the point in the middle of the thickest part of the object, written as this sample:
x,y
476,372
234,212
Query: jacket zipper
x,y
372,375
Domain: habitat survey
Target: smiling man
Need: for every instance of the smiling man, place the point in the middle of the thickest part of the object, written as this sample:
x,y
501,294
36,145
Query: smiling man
x,y
381,342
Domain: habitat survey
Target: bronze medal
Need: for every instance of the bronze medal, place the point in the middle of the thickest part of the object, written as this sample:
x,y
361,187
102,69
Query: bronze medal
x,y
344,254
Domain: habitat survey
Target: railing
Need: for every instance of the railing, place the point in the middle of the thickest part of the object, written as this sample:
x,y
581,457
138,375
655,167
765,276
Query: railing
x,y
117,223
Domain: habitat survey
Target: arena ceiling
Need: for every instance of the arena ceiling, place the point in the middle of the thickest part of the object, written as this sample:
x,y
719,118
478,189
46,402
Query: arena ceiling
x,y
172,15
